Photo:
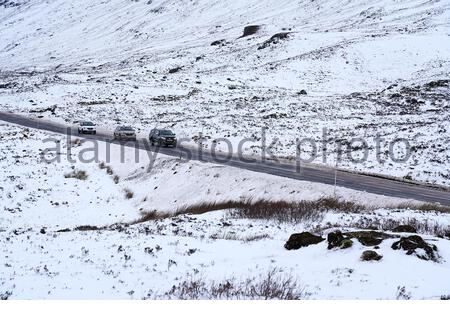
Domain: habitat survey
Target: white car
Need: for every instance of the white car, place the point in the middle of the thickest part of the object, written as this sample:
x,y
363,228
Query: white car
x,y
87,127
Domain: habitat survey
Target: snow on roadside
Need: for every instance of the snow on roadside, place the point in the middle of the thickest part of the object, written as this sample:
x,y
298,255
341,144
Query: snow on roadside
x,y
37,193
148,259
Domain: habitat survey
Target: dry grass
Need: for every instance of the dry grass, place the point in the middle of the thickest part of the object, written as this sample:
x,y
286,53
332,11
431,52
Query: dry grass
x,y
109,170
102,165
128,194
151,216
427,207
273,286
76,174
212,206
294,212
280,211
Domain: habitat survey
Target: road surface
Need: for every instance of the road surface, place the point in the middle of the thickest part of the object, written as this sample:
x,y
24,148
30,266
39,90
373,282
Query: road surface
x,y
355,181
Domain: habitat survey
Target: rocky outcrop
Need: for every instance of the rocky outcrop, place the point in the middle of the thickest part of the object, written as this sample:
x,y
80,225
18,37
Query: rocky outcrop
x,y
250,30
275,39
335,239
415,245
367,238
370,255
304,239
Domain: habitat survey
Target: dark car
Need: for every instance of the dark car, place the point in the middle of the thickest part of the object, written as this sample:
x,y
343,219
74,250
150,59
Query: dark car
x,y
162,137
124,133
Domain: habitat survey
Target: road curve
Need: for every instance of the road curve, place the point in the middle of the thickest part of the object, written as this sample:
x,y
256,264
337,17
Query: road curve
x,y
360,182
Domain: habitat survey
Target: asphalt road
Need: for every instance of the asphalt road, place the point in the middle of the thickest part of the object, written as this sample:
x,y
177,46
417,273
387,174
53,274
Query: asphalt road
x,y
360,182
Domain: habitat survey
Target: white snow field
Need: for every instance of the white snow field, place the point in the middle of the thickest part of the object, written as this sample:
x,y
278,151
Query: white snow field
x,y
111,229
45,256
368,68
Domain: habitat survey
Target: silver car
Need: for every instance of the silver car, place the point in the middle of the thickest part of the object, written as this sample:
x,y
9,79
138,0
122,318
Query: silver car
x,y
124,133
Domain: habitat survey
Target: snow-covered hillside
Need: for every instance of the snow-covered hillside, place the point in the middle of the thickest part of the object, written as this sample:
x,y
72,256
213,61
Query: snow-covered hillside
x,y
66,236
367,68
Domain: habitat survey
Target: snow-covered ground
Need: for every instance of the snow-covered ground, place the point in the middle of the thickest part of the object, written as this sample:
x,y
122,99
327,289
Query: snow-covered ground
x,y
369,68
146,260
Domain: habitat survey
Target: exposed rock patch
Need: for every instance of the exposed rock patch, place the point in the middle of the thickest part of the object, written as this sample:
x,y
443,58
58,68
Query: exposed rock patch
x,y
250,30
304,239
417,246
220,42
335,239
175,70
275,39
346,243
367,238
370,255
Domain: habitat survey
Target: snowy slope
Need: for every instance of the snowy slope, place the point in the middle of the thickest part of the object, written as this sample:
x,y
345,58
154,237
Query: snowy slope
x,y
366,66
146,260
36,192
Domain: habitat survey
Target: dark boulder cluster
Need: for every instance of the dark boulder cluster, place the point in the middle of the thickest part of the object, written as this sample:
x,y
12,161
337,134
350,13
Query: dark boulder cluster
x,y
9,3
336,239
275,39
415,245
220,42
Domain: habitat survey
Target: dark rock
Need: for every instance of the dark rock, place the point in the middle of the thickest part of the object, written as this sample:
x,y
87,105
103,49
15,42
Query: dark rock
x,y
370,255
86,228
405,228
43,231
218,42
304,239
438,83
8,85
174,70
346,243
412,243
302,92
369,241
64,230
51,109
366,238
335,239
396,96
250,30
274,40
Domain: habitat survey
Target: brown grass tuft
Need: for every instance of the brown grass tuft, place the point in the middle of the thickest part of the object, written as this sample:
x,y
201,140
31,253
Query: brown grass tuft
x,y
273,286
128,193
77,174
